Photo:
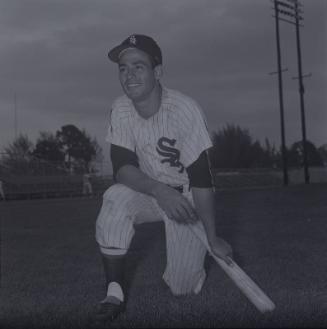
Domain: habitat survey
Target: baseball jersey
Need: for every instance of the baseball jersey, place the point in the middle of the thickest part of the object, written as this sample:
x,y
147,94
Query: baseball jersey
x,y
167,142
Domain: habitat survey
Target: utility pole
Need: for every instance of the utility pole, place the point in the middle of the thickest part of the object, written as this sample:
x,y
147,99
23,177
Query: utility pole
x,y
291,9
280,88
15,115
301,91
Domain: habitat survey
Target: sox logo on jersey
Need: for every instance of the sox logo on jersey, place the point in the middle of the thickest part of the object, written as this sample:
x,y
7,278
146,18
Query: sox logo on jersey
x,y
171,155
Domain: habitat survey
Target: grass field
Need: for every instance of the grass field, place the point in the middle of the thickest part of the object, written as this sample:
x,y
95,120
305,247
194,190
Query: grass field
x,y
51,274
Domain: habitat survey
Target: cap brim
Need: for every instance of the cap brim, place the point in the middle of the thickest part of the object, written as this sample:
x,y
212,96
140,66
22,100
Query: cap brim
x,y
115,52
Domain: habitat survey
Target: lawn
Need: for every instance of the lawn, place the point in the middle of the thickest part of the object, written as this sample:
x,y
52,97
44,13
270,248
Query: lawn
x,y
51,271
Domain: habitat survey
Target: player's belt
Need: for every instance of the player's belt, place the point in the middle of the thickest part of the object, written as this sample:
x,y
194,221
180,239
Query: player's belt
x,y
179,188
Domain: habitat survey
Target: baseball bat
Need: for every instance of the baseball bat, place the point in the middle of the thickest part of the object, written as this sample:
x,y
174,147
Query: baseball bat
x,y
247,286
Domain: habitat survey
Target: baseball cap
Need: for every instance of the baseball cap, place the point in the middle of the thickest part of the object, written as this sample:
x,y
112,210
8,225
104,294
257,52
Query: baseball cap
x,y
141,42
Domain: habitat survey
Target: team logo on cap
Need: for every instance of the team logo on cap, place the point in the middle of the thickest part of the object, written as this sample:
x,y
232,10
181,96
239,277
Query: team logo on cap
x,y
132,39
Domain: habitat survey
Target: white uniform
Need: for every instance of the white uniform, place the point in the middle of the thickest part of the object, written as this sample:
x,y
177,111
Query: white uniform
x,y
165,144
2,192
87,186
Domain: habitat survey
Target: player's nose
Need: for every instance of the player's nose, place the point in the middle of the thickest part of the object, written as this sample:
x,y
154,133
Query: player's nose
x,y
130,73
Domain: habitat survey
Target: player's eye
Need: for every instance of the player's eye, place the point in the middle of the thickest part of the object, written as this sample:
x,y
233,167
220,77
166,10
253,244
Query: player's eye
x,y
122,69
139,67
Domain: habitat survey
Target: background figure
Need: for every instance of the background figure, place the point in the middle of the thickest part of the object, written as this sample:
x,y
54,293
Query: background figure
x,y
2,192
87,185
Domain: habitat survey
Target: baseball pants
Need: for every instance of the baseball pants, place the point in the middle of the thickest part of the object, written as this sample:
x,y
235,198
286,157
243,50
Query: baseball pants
x,y
122,208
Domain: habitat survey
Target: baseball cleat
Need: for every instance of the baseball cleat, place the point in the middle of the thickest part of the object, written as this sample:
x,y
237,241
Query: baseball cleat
x,y
108,311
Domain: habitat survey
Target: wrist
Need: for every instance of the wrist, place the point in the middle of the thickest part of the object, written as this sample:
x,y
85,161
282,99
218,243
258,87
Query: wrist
x,y
155,189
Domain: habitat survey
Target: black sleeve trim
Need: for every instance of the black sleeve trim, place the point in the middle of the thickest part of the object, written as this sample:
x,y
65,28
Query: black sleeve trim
x,y
199,172
121,156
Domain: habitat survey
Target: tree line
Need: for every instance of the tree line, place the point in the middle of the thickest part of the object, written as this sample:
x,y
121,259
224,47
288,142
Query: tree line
x,y
71,150
233,147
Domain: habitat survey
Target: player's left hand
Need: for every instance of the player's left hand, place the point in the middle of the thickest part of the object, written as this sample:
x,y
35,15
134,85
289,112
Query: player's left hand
x,y
221,249
175,205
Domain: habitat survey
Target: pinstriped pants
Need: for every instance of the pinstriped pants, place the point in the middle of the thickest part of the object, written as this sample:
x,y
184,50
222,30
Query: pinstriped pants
x,y
123,207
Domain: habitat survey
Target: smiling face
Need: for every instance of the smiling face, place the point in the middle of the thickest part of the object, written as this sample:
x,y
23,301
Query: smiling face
x,y
137,75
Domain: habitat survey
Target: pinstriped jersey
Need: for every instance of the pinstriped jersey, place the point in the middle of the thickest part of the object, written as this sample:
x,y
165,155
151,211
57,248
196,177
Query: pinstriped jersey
x,y
167,142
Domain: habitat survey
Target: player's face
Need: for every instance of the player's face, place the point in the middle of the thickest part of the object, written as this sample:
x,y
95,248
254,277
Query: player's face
x,y
137,76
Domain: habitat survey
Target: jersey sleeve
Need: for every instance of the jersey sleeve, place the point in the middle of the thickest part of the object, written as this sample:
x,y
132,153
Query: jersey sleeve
x,y
196,138
119,131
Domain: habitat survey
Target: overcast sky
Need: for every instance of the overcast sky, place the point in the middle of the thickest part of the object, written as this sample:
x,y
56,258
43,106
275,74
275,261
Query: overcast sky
x,y
53,56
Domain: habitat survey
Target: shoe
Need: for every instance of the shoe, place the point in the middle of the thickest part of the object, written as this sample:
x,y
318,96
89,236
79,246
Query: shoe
x,y
108,311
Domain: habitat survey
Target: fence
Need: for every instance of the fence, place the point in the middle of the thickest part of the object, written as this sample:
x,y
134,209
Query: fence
x,y
265,177
30,187
224,179
70,185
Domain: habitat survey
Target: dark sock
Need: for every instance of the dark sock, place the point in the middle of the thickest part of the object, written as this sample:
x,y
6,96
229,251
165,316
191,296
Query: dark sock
x,y
114,269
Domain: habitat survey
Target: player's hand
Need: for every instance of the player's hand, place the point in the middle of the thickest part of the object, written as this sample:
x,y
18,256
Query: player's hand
x,y
175,205
221,249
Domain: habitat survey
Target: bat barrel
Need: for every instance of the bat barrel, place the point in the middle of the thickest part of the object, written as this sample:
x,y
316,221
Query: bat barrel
x,y
249,288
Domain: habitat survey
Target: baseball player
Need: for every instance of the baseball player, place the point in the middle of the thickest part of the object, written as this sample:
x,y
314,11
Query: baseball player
x,y
159,142
2,192
87,186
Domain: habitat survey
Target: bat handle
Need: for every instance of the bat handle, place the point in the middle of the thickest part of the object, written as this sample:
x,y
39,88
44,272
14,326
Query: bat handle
x,y
229,261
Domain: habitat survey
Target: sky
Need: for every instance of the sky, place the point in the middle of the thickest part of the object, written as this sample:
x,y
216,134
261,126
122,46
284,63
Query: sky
x,y
54,68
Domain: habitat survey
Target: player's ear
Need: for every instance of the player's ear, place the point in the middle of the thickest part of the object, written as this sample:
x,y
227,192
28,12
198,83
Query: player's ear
x,y
158,72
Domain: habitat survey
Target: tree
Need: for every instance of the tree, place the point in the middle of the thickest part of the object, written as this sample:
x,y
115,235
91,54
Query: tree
x,y
295,155
48,148
79,149
323,153
51,152
230,147
233,147
272,155
18,156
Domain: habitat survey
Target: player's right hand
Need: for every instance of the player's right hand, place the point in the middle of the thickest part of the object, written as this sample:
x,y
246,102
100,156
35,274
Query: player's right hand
x,y
221,249
175,205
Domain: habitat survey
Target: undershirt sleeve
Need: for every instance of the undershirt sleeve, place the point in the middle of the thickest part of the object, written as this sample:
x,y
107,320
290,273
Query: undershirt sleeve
x,y
120,157
199,172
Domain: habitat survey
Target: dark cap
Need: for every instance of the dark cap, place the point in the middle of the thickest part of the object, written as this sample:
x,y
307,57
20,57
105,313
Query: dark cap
x,y
141,42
